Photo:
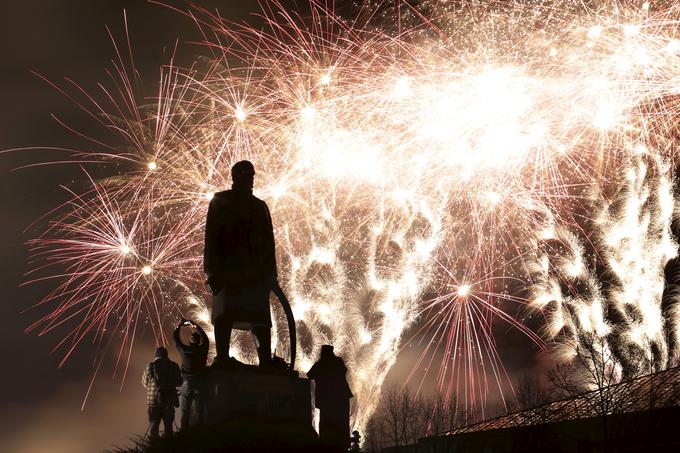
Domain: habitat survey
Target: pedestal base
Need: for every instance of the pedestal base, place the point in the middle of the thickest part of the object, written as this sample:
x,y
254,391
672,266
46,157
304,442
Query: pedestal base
x,y
249,394
247,409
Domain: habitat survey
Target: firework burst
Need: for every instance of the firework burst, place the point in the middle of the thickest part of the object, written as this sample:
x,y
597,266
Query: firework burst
x,y
439,159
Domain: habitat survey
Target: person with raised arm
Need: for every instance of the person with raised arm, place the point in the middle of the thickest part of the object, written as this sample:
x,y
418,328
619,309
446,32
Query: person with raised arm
x,y
194,357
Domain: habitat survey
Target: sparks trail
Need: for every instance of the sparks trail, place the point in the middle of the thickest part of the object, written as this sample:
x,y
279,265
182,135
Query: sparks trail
x,y
394,163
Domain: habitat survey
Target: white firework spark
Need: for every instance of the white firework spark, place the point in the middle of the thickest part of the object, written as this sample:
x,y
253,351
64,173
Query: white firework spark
x,y
481,140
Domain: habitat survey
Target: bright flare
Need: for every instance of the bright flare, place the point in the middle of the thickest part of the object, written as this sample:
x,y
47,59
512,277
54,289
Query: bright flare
x,y
528,146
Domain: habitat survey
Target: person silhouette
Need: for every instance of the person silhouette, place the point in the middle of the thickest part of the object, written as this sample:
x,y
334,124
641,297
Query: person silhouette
x,y
194,358
240,264
355,441
161,379
331,397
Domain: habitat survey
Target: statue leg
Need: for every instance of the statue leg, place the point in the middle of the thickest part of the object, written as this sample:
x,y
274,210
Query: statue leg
x,y
263,341
223,327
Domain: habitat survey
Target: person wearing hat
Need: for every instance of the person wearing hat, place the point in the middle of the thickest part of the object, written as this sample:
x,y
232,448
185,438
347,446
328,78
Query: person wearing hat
x,y
240,264
161,379
194,357
331,397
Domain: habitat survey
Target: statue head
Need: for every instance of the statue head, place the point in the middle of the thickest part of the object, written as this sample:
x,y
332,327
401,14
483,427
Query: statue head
x,y
326,350
243,176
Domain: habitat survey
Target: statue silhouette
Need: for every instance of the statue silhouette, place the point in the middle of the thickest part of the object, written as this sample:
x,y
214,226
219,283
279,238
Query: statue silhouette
x,y
332,395
240,263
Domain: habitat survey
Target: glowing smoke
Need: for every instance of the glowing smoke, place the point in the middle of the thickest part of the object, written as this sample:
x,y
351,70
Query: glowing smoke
x,y
485,141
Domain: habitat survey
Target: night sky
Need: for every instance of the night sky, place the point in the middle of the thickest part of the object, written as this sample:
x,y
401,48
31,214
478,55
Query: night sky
x,y
40,406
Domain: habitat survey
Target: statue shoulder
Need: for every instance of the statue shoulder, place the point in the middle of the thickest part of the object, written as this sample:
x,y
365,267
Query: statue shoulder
x,y
261,203
223,195
221,198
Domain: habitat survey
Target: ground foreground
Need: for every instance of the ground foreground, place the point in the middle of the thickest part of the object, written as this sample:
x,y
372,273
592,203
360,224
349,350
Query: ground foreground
x,y
232,437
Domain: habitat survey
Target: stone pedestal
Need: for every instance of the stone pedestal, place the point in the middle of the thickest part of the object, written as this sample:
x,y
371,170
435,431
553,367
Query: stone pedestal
x,y
249,394
250,410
